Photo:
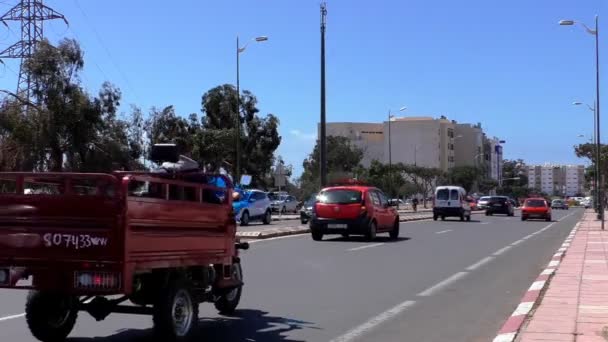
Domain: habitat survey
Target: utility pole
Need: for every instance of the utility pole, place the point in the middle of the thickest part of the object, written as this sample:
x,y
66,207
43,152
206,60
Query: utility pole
x,y
600,192
322,133
31,14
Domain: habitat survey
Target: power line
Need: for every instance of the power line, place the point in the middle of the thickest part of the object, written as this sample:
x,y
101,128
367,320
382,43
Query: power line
x,y
98,36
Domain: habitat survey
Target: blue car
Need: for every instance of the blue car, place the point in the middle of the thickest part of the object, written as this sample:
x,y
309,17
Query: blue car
x,y
252,205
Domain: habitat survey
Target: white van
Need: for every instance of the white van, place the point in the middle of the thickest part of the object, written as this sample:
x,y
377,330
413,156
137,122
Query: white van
x,y
450,201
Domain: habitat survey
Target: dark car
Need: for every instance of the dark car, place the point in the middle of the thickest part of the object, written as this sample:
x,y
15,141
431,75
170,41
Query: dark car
x,y
306,210
500,205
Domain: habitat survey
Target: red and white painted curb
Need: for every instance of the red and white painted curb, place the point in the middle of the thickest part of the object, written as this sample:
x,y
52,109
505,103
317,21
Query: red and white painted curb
x,y
509,330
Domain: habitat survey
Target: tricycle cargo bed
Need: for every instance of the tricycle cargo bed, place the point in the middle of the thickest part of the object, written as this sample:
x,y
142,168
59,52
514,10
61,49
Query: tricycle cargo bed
x,y
120,224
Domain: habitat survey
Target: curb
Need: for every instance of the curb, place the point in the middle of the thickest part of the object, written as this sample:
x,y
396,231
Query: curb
x,y
533,296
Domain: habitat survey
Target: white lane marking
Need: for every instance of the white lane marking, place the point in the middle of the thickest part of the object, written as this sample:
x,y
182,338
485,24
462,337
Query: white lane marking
x,y
558,255
502,250
553,263
517,242
6,318
485,223
523,309
480,263
364,247
431,290
443,231
375,321
508,337
537,285
547,271
565,217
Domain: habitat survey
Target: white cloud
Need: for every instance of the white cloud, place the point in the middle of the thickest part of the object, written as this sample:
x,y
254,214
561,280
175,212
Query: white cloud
x,y
303,136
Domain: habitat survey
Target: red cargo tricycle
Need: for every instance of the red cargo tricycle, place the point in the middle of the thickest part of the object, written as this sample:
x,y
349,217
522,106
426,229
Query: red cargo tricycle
x,y
163,240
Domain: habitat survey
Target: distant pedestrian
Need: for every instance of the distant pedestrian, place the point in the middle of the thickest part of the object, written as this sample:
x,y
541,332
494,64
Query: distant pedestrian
x,y
415,204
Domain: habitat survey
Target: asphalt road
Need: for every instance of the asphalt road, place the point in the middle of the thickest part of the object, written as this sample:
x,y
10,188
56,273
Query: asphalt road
x,y
442,281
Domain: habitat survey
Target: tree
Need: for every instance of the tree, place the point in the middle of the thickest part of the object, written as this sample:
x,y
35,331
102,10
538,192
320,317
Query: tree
x,y
516,188
68,129
387,178
343,159
423,178
465,176
259,135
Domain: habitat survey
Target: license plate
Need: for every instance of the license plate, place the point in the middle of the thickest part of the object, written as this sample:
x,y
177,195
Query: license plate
x,y
498,205
337,225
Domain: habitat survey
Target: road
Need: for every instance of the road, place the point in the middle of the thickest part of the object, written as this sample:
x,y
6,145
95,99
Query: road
x,y
442,281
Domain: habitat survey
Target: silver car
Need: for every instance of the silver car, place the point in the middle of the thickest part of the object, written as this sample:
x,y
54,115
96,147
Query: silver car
x,y
482,203
284,204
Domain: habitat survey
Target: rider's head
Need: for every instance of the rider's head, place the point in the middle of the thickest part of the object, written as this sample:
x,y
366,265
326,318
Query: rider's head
x,y
236,196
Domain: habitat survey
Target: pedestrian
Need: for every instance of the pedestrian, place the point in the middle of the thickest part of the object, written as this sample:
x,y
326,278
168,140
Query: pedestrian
x,y
415,204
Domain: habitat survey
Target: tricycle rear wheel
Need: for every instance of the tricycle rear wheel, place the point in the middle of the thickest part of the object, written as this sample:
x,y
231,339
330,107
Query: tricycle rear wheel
x,y
176,312
49,316
226,304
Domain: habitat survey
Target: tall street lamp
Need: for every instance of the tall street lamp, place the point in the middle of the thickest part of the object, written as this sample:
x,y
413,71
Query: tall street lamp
x,y
239,50
595,32
390,149
595,144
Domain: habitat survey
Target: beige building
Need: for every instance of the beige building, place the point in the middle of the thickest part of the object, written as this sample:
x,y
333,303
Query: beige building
x,y
468,145
369,137
563,180
422,141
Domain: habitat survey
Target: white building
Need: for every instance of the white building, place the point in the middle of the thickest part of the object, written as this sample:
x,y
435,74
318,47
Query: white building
x,y
563,180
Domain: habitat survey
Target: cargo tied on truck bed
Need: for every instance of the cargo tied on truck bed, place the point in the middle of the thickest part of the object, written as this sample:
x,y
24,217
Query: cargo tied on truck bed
x,y
164,240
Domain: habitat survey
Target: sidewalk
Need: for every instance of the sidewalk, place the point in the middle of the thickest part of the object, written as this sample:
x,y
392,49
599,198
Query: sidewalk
x,y
575,304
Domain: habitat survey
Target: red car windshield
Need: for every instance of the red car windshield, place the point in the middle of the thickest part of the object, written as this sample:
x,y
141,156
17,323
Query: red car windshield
x,y
340,196
535,203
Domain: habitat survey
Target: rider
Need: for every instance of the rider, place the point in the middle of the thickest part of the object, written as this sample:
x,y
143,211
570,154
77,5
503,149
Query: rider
x,y
415,203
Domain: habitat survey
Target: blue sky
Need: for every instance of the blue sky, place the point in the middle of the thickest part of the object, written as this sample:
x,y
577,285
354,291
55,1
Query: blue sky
x,y
506,64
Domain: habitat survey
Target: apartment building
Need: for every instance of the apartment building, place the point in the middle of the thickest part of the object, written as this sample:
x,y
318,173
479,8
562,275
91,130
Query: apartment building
x,y
562,180
468,145
369,137
424,141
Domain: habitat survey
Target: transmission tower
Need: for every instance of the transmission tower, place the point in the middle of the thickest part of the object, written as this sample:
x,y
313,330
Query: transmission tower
x,y
31,14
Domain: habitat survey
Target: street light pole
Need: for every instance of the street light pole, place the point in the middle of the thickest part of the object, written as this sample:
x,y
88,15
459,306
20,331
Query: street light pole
x,y
596,33
237,123
390,151
597,120
322,133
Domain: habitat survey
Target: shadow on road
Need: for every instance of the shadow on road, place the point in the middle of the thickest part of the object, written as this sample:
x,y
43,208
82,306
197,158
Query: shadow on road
x,y
244,325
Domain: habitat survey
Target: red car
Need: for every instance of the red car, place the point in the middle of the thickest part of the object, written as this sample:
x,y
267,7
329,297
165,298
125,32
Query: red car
x,y
536,208
353,209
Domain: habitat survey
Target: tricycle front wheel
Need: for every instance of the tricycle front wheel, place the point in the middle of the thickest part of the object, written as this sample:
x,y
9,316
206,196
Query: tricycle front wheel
x,y
49,316
226,303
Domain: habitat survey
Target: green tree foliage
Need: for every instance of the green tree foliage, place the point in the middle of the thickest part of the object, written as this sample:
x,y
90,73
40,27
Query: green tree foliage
x,y
343,160
465,176
210,139
516,188
68,129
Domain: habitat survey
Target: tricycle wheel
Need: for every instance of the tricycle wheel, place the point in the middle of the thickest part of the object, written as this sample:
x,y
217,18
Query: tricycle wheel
x,y
176,312
226,304
50,317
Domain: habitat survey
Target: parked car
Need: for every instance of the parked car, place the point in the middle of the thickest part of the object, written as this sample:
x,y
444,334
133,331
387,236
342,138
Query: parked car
x,y
353,209
283,203
252,205
450,201
482,203
559,204
500,205
306,210
536,208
